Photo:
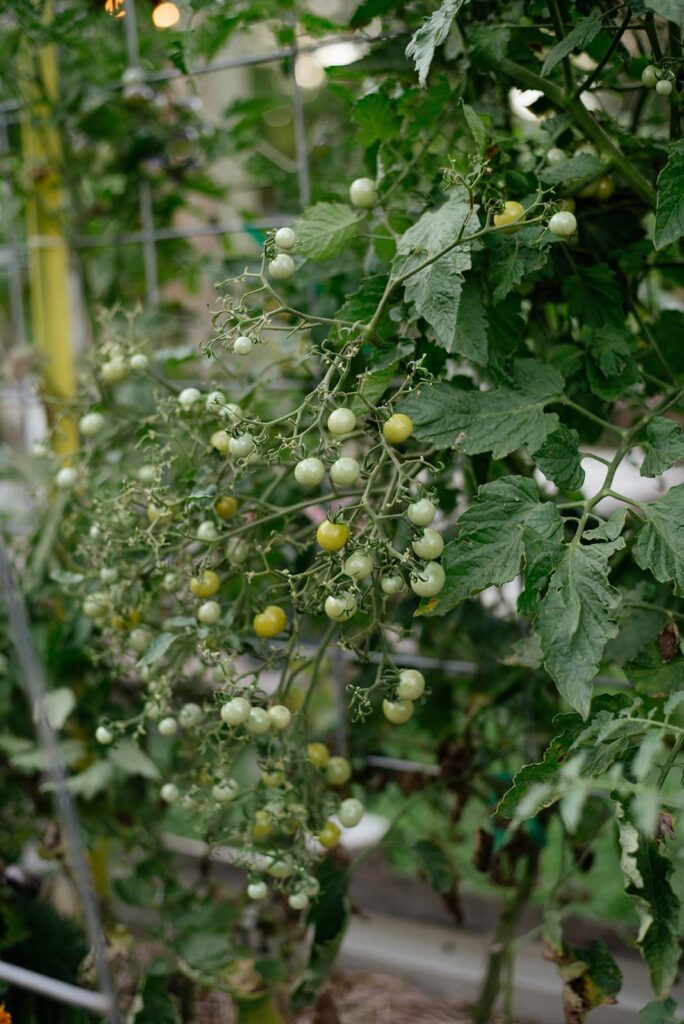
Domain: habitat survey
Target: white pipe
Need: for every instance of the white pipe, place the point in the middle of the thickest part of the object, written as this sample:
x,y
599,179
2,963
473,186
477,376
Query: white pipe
x,y
54,989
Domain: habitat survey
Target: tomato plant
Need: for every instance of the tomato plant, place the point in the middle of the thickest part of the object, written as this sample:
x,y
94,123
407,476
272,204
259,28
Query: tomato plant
x,y
494,314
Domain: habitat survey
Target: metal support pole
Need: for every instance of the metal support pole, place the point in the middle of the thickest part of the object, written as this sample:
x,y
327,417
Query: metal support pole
x,y
301,148
33,676
47,247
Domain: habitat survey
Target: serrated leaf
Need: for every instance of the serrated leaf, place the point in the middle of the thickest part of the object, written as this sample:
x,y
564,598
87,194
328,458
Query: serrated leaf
x,y
374,114
470,333
489,546
659,546
59,704
593,296
129,758
665,446
435,865
542,773
512,260
66,579
669,225
673,10
659,1012
430,35
579,168
360,306
584,32
435,291
559,459
95,779
526,652
651,675
478,128
501,420
324,229
158,648
156,1004
647,872
576,619
590,978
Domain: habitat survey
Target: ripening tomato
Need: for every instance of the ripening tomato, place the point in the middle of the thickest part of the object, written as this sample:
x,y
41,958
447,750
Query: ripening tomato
x,y
270,622
205,585
226,506
329,836
398,428
332,536
510,217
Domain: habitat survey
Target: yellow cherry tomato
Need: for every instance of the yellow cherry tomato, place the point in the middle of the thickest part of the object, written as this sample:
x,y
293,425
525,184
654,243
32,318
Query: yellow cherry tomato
x,y
318,754
205,585
510,217
118,623
398,428
567,205
332,536
226,506
329,836
261,829
337,771
604,187
270,622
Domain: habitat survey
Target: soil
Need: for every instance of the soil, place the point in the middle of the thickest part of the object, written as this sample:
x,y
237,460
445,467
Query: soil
x,y
357,997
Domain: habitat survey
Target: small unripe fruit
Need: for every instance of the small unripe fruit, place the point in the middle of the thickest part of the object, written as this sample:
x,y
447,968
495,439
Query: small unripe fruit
x,y
236,711
237,550
66,478
345,471
604,187
226,506
318,754
220,440
114,371
205,585
279,716
555,155
138,361
411,685
663,87
421,513
258,722
91,424
430,545
190,714
563,224
285,238
309,472
429,580
340,608
649,76
332,536
363,193
209,613
282,267
241,447
298,901
359,565
243,345
337,771
329,836
207,531
341,421
139,639
270,622
398,428
392,584
257,890
188,398
104,735
168,727
169,793
225,791
511,214
350,812
397,711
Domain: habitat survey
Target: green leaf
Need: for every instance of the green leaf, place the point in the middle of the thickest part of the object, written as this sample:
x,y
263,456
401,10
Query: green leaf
x,y
435,865
156,1004
512,261
659,545
470,332
430,35
577,617
559,459
324,229
489,546
669,225
375,381
590,978
374,114
647,875
593,296
653,676
129,758
659,1012
92,781
581,168
58,705
673,10
501,420
368,10
665,446
584,32
478,128
360,306
435,291
158,648
66,579
540,776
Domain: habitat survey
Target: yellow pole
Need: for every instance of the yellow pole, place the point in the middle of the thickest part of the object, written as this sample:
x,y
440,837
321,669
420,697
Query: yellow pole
x,y
48,253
